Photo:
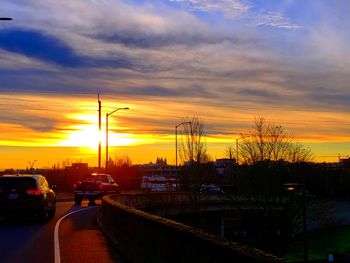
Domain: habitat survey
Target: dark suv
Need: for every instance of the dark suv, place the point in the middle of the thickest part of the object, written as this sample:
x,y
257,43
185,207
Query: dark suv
x,y
26,195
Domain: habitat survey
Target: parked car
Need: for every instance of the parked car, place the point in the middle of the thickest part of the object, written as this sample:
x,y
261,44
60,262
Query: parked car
x,y
211,188
94,186
26,195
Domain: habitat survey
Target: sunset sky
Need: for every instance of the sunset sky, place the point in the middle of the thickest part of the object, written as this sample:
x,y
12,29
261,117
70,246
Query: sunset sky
x,y
224,61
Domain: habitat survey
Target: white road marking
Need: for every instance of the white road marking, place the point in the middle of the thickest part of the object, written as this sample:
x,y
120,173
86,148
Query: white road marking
x,y
56,240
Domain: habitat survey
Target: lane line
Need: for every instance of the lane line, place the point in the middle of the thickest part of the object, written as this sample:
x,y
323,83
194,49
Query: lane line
x,y
56,239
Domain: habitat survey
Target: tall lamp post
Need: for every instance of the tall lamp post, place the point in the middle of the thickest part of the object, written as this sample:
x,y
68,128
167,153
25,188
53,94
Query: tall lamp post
x,y
176,126
301,189
107,115
99,132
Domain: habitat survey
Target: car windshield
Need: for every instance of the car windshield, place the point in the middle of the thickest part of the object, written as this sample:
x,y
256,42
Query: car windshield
x,y
18,183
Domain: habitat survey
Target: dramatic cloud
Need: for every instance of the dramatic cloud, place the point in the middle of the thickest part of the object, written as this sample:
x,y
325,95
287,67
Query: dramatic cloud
x,y
112,21
275,19
230,8
241,10
225,61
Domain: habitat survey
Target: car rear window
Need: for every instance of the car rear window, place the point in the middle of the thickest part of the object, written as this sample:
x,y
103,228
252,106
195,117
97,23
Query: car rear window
x,y
103,178
18,183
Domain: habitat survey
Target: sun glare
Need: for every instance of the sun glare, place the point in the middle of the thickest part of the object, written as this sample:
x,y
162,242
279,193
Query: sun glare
x,y
84,136
87,135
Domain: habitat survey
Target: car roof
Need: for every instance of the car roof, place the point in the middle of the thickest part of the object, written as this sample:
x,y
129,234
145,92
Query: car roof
x,y
22,175
98,174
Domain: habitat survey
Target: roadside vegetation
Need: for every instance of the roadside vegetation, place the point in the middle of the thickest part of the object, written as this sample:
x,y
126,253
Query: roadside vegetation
x,y
335,241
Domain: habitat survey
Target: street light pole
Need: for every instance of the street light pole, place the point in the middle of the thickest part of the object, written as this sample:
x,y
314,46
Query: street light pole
x,y
301,189
99,132
107,115
306,257
106,141
237,150
176,126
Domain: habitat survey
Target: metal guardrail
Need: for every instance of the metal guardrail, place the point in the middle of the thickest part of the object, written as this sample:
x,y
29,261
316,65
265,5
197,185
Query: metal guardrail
x,y
153,199
145,199
142,200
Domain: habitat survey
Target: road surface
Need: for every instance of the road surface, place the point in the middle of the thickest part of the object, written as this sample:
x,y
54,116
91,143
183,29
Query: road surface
x,y
79,238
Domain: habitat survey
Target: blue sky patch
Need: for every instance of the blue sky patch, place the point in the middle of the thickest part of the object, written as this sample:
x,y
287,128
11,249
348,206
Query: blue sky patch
x,y
37,45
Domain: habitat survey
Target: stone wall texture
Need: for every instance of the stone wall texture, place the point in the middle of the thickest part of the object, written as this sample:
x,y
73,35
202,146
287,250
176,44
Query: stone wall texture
x,y
143,237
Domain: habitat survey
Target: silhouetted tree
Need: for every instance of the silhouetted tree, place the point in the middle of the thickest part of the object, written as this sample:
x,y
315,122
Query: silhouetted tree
x,y
268,151
127,176
270,141
122,160
192,145
197,170
231,152
263,191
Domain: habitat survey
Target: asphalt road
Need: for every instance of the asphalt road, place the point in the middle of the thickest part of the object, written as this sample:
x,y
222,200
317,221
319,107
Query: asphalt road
x,y
79,238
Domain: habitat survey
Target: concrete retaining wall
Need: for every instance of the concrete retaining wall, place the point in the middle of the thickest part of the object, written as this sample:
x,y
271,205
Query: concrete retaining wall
x,y
143,237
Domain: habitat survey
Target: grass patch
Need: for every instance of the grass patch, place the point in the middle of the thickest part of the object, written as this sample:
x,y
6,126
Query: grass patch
x,y
321,243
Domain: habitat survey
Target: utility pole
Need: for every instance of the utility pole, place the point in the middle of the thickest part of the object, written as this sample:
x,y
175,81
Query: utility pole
x,y
306,258
300,188
237,151
99,132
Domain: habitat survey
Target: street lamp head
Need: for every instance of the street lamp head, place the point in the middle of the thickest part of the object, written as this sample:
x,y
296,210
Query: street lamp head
x,y
126,108
293,186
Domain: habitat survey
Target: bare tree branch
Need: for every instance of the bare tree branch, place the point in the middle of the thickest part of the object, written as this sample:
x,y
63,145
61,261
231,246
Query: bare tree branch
x,y
269,141
193,147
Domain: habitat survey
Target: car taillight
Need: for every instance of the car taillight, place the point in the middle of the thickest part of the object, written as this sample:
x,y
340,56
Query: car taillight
x,y
33,192
76,185
101,186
